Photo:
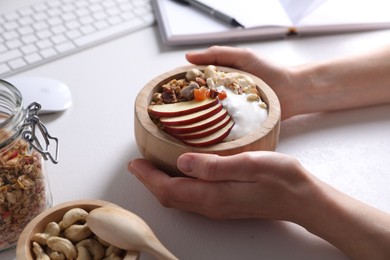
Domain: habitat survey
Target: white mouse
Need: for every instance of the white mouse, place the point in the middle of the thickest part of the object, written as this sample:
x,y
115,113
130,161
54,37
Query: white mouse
x,y
53,95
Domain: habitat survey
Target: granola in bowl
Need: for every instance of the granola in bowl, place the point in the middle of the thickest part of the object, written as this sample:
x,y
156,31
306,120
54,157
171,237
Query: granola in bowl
x,y
237,110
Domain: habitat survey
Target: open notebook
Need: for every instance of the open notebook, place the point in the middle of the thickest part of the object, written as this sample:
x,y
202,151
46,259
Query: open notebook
x,y
182,24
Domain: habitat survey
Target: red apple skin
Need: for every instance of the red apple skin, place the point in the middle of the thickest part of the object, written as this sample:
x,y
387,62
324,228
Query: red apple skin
x,y
204,132
191,118
217,139
181,108
175,130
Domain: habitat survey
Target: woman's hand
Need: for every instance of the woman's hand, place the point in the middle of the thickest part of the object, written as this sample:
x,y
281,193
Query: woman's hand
x,y
248,185
272,186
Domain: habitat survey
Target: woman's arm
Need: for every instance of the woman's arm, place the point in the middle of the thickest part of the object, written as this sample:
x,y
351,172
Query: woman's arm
x,y
347,82
357,229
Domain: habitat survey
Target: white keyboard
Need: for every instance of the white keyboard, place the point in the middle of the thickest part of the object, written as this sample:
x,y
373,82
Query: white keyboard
x,y
42,32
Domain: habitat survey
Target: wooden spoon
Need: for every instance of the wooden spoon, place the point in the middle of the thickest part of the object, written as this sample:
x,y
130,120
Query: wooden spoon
x,y
126,230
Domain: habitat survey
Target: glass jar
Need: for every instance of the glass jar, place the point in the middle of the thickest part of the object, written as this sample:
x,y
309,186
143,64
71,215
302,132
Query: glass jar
x,y
24,188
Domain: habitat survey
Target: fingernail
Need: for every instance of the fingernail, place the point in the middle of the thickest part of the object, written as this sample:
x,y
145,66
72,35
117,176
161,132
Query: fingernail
x,y
185,163
130,167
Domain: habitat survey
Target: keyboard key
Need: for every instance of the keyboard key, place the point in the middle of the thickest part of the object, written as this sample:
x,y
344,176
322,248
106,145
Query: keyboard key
x,y
10,35
39,16
11,16
47,53
56,39
69,16
65,46
54,21
40,25
44,34
9,55
87,29
42,44
27,20
26,11
25,30
33,58
58,29
29,38
10,25
3,48
73,34
29,49
14,44
18,63
4,68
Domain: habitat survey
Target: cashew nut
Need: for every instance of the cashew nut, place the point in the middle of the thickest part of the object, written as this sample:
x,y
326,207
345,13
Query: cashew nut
x,y
39,253
103,242
131,255
62,245
51,229
113,250
192,74
83,253
76,233
72,216
40,238
56,256
211,72
93,247
113,256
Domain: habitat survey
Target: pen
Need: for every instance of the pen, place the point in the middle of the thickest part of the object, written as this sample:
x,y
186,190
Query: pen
x,y
215,13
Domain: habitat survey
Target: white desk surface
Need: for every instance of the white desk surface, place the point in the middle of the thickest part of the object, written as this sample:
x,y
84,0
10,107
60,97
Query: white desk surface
x,y
349,150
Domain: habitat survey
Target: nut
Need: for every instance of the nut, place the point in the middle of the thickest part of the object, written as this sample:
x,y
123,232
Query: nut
x,y
62,245
113,250
40,238
83,253
93,247
39,253
192,74
72,216
76,233
56,256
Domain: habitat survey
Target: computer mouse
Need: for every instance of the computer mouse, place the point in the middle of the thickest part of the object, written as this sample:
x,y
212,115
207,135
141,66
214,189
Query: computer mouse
x,y
53,95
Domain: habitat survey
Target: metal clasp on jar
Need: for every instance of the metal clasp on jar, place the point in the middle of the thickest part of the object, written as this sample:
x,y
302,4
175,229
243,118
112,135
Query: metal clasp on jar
x,y
34,124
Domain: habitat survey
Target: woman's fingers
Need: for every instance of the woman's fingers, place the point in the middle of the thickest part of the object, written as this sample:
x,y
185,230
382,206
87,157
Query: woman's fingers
x,y
224,56
217,200
245,167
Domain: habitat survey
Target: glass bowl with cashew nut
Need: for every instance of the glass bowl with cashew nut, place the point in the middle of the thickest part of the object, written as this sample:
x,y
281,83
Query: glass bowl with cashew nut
x,y
205,109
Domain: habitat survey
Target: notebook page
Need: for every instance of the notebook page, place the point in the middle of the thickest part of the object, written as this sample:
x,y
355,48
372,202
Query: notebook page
x,y
180,16
252,13
348,12
296,10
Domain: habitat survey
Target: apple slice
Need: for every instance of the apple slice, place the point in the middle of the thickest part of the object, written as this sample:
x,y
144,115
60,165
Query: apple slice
x,y
181,108
210,139
192,117
197,126
207,131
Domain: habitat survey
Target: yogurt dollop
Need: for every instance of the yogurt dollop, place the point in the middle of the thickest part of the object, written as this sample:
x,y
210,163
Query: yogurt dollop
x,y
247,115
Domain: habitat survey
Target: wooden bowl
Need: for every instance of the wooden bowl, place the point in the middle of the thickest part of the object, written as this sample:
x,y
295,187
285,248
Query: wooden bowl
x,y
38,224
163,150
